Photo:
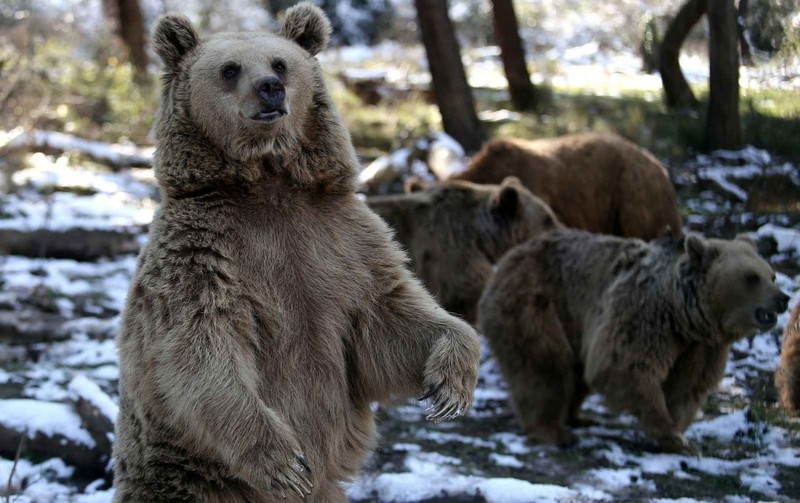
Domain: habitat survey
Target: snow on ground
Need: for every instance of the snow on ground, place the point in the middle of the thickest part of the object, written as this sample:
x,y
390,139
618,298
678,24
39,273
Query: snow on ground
x,y
583,66
54,195
748,454
48,419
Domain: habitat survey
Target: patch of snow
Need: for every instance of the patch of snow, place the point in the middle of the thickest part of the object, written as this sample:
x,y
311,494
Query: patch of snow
x,y
760,481
46,173
95,497
47,418
406,447
408,487
505,460
723,428
63,210
116,154
430,463
441,437
499,116
117,201
513,443
788,240
85,388
615,479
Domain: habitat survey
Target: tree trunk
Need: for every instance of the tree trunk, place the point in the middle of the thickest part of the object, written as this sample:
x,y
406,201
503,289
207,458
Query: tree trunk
x,y
650,43
506,33
450,87
677,92
125,17
723,126
744,45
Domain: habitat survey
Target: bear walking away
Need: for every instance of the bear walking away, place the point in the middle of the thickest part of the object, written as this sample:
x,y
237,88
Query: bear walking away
x,y
456,231
600,183
787,378
647,325
270,307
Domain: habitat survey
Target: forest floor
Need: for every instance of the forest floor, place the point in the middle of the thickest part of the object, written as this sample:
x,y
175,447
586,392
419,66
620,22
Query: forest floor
x,y
58,318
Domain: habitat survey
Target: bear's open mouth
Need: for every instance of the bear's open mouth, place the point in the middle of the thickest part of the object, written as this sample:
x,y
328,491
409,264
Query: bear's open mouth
x,y
766,318
269,115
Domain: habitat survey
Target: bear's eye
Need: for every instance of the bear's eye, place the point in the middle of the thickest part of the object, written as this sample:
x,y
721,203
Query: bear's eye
x,y
279,66
230,71
752,279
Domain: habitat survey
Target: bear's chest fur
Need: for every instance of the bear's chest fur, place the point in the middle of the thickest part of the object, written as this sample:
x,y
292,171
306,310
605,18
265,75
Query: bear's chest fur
x,y
302,265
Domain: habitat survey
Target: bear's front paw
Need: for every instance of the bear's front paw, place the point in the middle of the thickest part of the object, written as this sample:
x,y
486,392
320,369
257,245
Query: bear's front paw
x,y
676,443
451,374
279,467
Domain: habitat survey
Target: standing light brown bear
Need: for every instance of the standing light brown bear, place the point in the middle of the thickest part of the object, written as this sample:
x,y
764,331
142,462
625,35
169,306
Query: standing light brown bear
x,y
456,231
600,183
648,326
271,306
787,377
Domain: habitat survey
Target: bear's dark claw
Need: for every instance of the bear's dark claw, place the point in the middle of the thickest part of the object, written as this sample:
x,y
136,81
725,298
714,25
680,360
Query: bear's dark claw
x,y
431,391
302,461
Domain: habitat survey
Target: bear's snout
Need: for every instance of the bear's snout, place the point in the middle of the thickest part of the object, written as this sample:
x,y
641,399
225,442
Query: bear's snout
x,y
767,316
272,93
781,302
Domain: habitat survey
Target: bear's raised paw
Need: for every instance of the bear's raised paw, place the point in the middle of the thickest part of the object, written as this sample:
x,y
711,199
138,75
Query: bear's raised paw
x,y
451,374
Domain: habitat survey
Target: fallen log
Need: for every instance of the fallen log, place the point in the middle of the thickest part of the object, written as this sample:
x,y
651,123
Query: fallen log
x,y
97,411
114,155
75,244
51,430
31,327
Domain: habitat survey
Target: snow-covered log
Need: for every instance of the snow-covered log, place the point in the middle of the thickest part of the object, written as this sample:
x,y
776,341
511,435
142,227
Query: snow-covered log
x,y
113,155
31,327
97,411
52,430
76,244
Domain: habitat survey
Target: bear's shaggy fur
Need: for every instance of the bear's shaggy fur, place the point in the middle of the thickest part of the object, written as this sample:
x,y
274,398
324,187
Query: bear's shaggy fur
x,y
787,377
455,232
600,183
270,307
646,325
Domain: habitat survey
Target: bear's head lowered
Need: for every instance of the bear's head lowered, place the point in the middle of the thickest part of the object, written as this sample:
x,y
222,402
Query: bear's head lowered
x,y
497,217
254,97
466,230
738,287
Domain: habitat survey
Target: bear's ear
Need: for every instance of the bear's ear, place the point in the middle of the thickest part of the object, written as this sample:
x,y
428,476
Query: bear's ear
x,y
174,37
745,238
700,252
506,203
307,26
549,222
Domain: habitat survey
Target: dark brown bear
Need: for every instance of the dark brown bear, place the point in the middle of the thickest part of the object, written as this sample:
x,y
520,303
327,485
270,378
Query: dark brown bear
x,y
649,326
455,232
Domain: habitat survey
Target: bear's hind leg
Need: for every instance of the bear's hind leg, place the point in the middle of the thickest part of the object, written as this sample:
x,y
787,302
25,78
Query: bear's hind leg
x,y
581,391
536,360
